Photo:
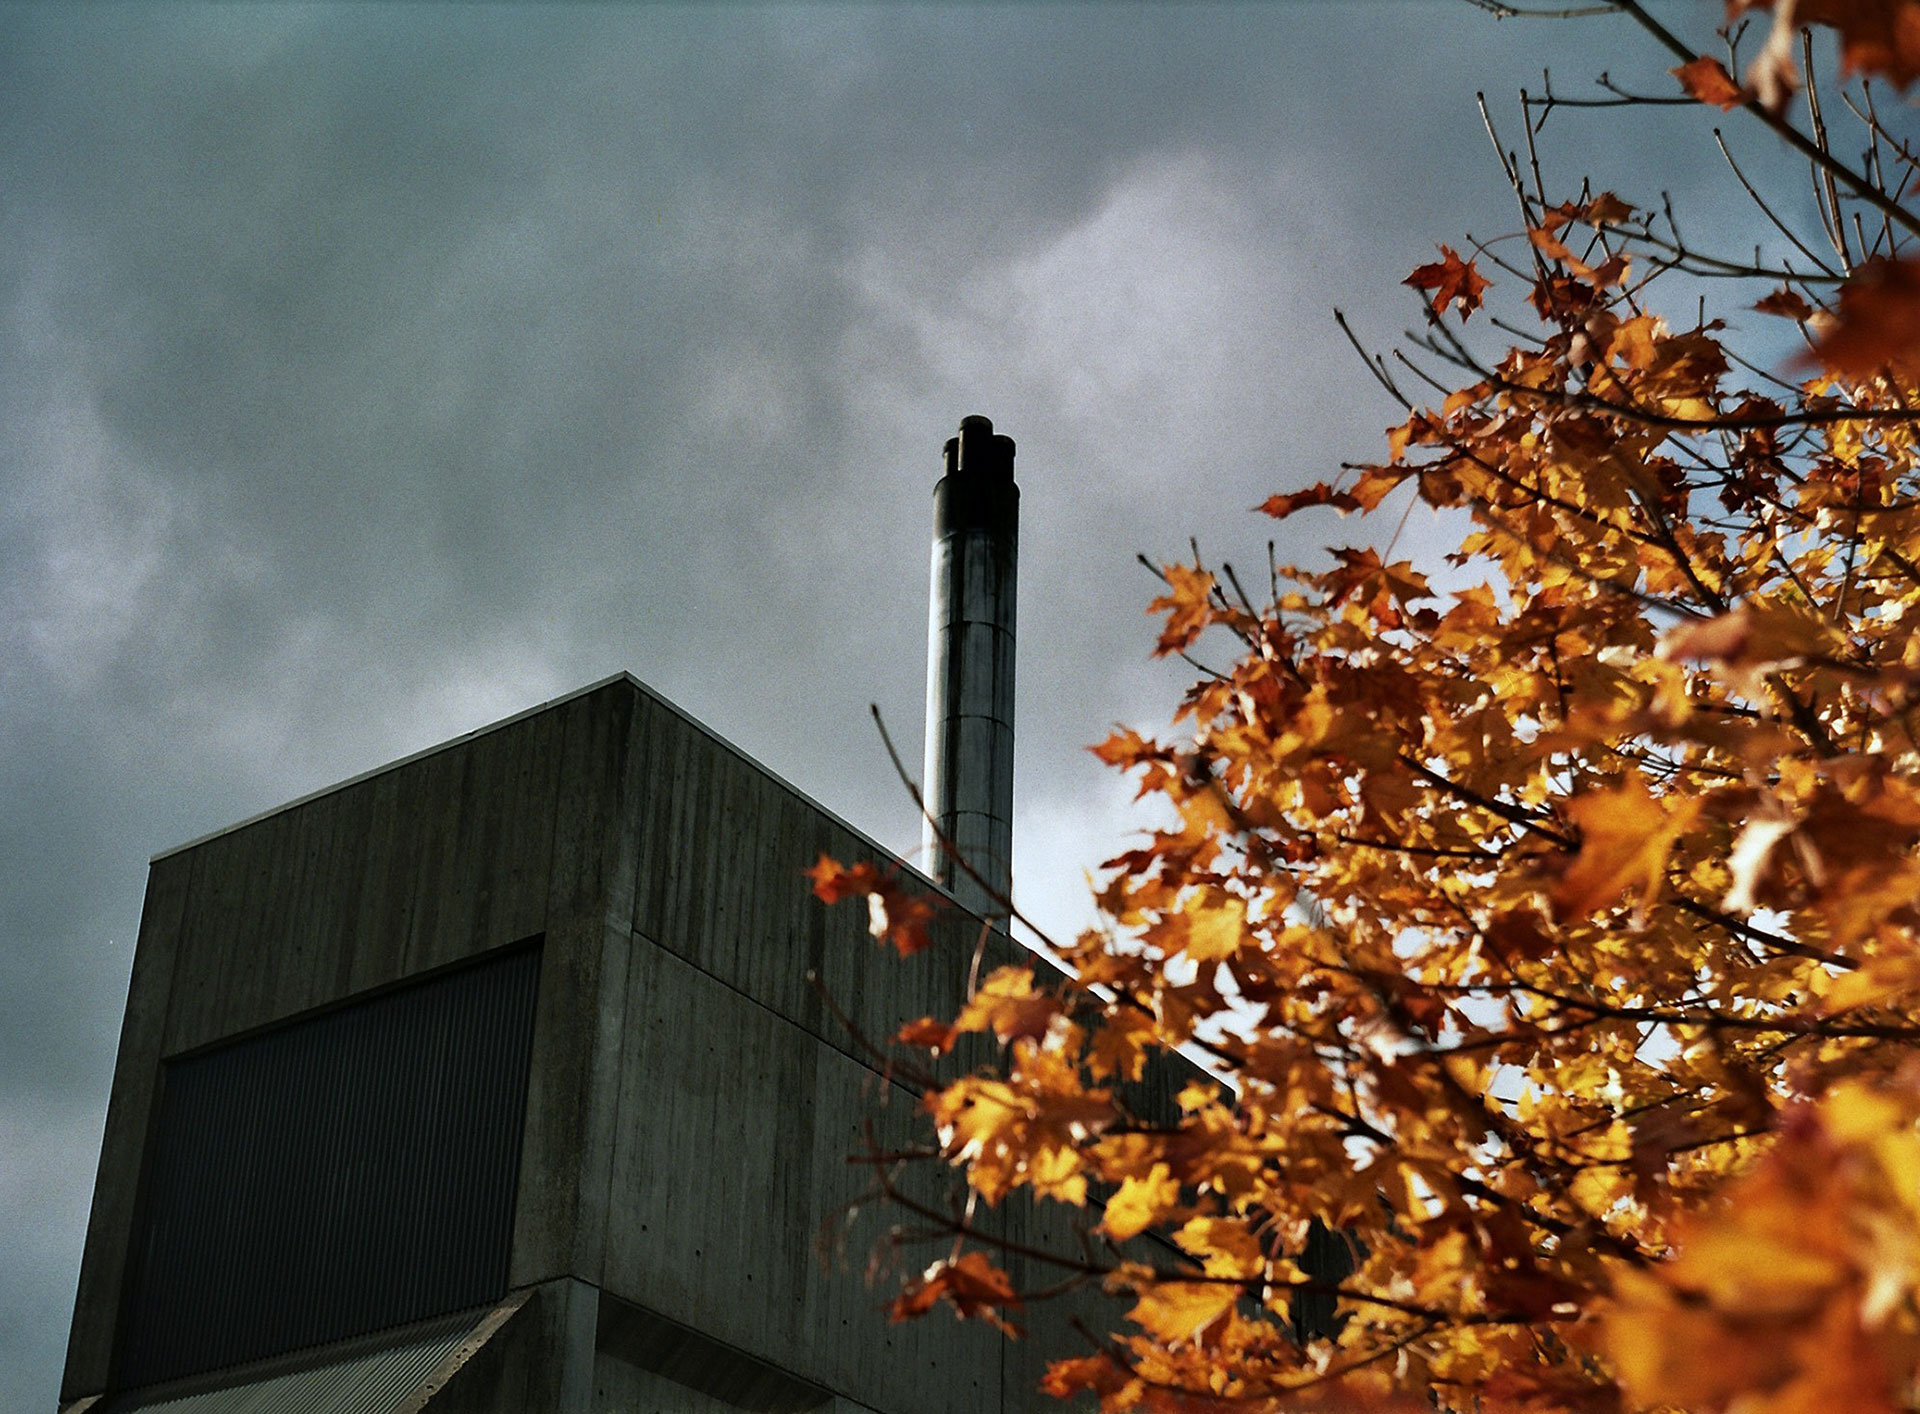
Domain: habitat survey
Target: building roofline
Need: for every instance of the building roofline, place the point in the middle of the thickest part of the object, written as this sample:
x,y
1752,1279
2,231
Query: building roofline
x,y
535,711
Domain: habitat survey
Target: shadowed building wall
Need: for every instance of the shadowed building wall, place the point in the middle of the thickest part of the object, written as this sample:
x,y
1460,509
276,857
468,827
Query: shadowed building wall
x,y
512,1093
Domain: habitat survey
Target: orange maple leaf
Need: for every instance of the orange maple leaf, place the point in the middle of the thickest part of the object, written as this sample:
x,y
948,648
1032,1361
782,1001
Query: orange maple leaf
x,y
929,1034
1876,36
1008,1005
1750,634
1707,80
1101,1374
1281,505
1450,281
1606,209
1625,837
1383,588
894,915
1877,326
834,881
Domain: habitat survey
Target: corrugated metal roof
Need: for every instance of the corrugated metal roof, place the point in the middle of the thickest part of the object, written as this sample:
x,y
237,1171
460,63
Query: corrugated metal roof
x,y
394,1373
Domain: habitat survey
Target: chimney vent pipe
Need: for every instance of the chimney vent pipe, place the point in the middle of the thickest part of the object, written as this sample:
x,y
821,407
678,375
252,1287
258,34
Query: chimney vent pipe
x,y
969,757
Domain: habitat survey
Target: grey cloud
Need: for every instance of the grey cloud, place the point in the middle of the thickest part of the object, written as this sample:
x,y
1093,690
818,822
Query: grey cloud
x,y
370,373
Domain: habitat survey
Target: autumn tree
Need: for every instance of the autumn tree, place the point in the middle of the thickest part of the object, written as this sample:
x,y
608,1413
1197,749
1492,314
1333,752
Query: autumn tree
x,y
1556,934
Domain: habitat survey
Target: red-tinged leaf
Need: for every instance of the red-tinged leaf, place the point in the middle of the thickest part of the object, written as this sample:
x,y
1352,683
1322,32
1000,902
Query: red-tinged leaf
x,y
1721,639
1450,281
1008,1005
900,919
1281,506
1550,245
894,915
1787,304
834,881
1706,79
1610,271
1554,217
1605,209
1879,38
928,1034
1877,324
1096,1374
973,1286
1750,634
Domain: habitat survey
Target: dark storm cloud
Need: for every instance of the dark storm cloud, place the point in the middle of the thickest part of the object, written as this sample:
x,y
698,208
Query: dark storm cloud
x,y
369,373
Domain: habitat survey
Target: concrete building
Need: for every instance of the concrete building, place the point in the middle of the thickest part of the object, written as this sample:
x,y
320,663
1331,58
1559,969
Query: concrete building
x,y
495,1080
553,976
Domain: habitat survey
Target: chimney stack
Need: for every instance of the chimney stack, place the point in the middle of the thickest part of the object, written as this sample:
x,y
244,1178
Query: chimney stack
x,y
969,760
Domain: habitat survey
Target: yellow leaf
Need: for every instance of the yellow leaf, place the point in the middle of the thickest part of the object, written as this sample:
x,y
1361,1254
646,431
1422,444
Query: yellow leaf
x,y
1226,1247
1749,1269
1880,980
1174,1311
1667,1351
1140,1203
1216,926
1055,1173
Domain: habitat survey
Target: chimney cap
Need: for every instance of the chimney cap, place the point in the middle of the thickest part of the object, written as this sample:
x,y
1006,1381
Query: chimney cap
x,y
979,451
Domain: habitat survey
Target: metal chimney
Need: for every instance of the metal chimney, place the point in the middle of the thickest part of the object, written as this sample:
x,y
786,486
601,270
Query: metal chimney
x,y
969,763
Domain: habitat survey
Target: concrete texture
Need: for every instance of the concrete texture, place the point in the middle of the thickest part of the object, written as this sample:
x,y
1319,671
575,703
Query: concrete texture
x,y
691,1100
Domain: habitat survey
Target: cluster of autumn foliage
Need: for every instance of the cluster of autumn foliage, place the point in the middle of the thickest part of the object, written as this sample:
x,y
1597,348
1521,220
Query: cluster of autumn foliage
x,y
1555,938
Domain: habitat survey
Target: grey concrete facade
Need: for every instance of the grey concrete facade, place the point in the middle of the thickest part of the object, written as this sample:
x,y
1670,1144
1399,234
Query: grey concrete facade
x,y
691,1100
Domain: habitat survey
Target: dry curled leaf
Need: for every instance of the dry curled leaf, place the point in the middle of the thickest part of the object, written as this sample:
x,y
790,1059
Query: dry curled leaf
x,y
1786,303
1706,80
1450,282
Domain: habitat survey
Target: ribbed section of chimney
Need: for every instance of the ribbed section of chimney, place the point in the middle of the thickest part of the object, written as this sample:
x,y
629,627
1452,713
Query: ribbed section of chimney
x,y
969,763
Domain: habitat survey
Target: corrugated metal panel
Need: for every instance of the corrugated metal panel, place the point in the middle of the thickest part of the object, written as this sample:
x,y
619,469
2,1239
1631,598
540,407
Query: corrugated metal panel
x,y
345,1173
385,1374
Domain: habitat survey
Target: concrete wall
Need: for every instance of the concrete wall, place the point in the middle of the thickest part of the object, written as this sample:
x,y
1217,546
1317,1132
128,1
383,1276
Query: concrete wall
x,y
691,1100
412,868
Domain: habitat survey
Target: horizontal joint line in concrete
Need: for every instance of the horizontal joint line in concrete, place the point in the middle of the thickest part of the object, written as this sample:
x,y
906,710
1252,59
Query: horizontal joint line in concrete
x,y
851,1054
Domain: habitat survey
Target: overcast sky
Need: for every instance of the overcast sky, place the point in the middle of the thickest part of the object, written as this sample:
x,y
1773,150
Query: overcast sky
x,y
371,373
